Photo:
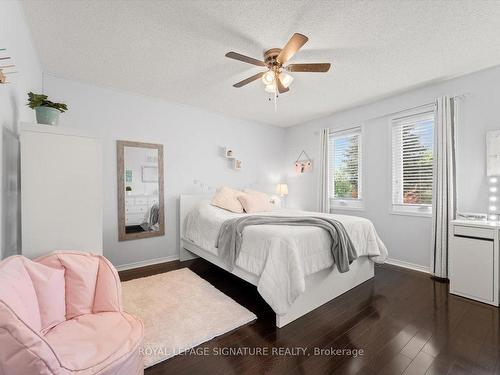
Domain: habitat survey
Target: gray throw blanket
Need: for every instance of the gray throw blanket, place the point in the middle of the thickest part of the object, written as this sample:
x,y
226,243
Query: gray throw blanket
x,y
231,236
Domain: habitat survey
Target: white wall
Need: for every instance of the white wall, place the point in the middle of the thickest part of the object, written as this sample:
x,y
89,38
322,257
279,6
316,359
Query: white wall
x,y
408,238
192,142
15,36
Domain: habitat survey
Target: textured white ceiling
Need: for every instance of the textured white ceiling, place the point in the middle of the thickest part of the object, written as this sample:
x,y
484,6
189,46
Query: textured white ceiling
x,y
175,49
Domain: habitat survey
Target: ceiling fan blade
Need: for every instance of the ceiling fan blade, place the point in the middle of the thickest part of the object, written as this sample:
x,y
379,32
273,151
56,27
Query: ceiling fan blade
x,y
281,89
316,68
247,59
293,45
248,80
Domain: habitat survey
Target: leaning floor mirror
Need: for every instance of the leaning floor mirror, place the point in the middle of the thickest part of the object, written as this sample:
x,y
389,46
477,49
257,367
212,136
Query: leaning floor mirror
x,y
140,190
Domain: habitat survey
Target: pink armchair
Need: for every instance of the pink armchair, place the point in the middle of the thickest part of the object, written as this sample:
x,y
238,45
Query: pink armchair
x,y
62,314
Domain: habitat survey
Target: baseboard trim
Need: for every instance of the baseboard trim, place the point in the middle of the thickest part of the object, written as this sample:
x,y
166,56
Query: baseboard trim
x,y
411,266
149,262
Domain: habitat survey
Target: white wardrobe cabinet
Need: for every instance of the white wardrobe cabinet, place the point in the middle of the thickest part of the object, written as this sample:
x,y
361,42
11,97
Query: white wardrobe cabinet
x,y
61,190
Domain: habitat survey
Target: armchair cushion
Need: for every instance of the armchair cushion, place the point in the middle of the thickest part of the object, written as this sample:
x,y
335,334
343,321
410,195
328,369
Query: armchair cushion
x,y
17,292
49,288
81,276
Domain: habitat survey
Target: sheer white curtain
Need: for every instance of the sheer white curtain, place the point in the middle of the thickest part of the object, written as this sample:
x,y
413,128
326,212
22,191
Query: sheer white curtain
x,y
444,196
324,180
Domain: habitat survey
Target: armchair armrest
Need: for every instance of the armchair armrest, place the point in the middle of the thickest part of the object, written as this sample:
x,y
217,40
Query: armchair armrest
x,y
23,350
108,291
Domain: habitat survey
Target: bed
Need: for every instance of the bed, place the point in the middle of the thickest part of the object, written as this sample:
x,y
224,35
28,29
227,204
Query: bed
x,y
292,267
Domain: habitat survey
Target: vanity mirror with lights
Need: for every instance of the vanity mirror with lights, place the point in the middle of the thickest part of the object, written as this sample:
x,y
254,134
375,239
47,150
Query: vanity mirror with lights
x,y
140,190
474,251
493,171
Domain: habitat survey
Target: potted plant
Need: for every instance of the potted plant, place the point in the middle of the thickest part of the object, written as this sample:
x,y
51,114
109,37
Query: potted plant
x,y
47,112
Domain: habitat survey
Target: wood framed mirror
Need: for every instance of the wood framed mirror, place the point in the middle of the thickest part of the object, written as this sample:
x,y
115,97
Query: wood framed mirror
x,y
141,212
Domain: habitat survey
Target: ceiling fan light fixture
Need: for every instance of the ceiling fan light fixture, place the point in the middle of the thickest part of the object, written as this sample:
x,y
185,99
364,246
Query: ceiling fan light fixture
x,y
274,77
268,78
286,79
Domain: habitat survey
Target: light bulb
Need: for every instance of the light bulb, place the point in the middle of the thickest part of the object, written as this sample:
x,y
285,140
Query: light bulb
x,y
493,189
271,88
493,180
268,77
493,199
493,208
286,79
493,217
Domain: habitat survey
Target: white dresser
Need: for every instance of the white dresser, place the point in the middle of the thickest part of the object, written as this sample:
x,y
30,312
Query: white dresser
x,y
474,260
61,190
136,208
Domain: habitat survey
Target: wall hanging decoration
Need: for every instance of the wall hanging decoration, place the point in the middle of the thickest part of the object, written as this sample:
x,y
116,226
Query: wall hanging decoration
x,y
3,72
128,175
149,174
303,165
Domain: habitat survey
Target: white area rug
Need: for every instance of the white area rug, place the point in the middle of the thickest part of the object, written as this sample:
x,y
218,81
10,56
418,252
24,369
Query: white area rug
x,y
180,310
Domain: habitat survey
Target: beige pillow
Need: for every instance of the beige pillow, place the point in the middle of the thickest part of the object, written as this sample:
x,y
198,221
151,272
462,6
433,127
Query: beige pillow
x,y
227,199
255,202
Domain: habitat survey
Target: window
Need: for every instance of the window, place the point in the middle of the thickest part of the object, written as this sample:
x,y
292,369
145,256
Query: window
x,y
345,169
412,162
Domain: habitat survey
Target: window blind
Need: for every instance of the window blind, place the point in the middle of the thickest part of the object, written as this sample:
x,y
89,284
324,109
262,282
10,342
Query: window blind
x,y
345,164
412,159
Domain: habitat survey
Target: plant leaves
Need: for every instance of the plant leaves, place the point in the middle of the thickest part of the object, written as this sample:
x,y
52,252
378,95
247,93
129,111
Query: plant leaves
x,y
40,100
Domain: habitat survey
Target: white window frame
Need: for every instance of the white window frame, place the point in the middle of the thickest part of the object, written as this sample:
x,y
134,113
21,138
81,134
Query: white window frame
x,y
355,203
424,210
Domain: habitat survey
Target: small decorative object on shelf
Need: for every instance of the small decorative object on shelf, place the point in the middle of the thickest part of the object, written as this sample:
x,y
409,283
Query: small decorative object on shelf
x,y
229,153
303,165
47,112
237,164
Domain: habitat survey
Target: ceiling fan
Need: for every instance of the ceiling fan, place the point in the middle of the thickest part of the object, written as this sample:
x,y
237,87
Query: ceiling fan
x,y
275,78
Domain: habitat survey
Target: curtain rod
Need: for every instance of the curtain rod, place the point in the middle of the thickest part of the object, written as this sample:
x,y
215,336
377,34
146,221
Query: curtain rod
x,y
459,96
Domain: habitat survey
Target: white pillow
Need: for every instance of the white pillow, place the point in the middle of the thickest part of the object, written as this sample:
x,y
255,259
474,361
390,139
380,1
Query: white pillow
x,y
227,199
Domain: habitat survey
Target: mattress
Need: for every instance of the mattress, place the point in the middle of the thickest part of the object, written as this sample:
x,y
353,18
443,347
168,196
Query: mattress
x,y
203,223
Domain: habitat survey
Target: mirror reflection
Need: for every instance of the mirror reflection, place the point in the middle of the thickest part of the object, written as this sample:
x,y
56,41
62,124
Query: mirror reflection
x,y
141,189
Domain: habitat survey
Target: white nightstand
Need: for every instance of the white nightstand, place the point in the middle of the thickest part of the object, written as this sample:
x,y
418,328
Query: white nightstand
x,y
474,260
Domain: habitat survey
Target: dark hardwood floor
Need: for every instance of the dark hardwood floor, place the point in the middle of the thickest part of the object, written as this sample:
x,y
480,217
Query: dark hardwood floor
x,y
404,322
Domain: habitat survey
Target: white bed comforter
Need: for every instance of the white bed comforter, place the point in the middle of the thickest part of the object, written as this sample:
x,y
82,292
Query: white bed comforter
x,y
282,256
